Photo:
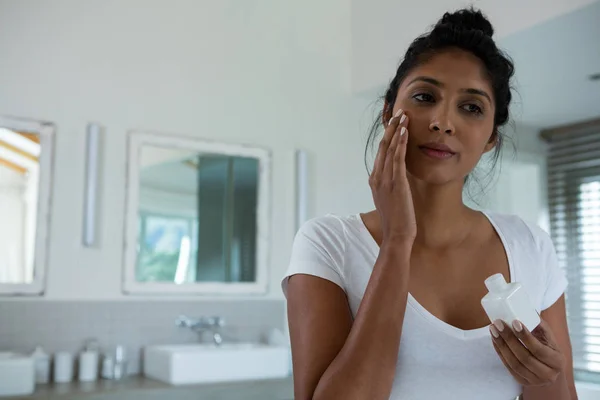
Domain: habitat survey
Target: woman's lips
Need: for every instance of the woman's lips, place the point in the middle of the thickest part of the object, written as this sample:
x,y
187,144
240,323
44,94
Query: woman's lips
x,y
437,152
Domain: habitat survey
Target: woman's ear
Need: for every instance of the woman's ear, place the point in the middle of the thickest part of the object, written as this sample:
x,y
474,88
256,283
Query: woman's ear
x,y
492,142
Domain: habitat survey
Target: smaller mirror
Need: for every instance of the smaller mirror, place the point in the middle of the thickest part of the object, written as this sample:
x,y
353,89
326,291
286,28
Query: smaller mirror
x,y
25,184
197,214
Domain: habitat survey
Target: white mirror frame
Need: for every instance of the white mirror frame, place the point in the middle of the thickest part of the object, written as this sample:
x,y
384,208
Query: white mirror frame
x,y
45,130
137,139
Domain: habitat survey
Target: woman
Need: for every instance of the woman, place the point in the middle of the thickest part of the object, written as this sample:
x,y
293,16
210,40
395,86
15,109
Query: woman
x,y
386,304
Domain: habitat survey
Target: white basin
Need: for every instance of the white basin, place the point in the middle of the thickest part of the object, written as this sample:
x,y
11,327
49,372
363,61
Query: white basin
x,y
17,375
207,363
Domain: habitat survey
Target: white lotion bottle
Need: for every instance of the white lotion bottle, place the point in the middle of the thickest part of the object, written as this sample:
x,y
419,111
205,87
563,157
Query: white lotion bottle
x,y
42,365
88,366
509,302
88,361
63,367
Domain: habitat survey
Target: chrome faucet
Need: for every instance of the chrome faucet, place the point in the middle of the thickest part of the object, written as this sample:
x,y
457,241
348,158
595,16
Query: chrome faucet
x,y
202,325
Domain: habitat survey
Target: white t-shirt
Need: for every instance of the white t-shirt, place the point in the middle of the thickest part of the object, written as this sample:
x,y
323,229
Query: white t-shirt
x,y
436,360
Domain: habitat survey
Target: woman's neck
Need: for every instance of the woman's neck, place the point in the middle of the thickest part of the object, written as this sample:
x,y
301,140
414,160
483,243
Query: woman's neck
x,y
442,218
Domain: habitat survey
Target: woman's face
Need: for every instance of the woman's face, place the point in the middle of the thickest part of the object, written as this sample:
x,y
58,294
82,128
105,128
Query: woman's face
x,y
449,102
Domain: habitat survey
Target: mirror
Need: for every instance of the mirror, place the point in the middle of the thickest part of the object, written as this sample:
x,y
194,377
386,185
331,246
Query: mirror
x,y
25,184
196,216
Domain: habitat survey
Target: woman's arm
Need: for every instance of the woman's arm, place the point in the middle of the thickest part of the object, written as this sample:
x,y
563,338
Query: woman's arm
x,y
336,358
556,318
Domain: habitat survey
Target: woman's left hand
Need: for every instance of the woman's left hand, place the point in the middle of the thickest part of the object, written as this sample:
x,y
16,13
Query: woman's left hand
x,y
533,359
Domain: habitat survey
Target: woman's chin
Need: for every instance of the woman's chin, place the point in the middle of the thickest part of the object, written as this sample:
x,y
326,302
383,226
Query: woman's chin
x,y
434,175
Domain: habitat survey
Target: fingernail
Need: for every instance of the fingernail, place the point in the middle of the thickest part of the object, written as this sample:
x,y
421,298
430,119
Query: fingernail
x,y
518,326
403,118
402,131
398,114
494,331
499,325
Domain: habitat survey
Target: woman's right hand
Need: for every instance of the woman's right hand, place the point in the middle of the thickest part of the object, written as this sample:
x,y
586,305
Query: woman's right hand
x,y
389,183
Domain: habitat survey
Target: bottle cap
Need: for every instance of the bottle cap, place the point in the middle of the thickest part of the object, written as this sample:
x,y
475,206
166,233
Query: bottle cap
x,y
495,283
39,352
91,345
120,353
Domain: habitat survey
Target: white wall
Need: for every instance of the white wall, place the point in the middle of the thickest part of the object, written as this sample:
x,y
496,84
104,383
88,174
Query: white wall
x,y
270,73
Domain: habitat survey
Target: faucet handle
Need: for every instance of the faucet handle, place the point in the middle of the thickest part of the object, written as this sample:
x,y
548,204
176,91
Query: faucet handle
x,y
183,321
218,321
200,323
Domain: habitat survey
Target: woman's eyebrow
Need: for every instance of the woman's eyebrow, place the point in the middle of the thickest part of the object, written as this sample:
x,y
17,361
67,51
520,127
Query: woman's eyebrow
x,y
427,79
435,82
478,92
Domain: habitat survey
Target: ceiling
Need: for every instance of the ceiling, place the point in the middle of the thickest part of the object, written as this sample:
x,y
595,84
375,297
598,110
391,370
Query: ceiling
x,y
553,62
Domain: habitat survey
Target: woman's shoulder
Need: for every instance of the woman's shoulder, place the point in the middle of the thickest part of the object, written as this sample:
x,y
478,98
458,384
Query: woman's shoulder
x,y
523,233
319,248
534,258
329,227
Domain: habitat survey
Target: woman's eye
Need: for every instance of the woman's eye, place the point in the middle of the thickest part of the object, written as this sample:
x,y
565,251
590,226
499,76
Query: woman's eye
x,y
423,97
472,108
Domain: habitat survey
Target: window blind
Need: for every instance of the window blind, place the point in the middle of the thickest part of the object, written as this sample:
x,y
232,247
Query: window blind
x,y
574,207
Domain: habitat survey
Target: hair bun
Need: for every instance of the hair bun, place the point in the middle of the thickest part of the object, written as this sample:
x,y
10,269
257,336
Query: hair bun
x,y
467,19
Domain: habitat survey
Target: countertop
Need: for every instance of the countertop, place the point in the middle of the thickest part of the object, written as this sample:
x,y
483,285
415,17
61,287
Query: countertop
x,y
141,388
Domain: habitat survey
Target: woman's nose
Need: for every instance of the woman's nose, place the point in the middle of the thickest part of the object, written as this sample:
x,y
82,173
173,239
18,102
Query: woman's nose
x,y
445,127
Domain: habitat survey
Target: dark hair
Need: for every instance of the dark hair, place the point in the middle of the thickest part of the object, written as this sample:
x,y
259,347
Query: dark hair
x,y
469,30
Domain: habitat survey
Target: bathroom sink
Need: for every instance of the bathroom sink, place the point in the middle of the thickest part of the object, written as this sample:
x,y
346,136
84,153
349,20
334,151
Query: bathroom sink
x,y
208,363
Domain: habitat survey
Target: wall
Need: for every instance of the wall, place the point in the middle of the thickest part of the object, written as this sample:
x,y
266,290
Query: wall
x,y
517,183
520,185
270,73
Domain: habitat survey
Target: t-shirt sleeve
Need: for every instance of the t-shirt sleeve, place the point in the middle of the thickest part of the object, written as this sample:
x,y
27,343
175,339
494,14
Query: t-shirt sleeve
x,y
318,250
556,280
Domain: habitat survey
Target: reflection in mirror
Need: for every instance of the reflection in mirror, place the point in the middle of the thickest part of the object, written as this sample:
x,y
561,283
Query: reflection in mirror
x,y
25,161
197,214
178,189
19,177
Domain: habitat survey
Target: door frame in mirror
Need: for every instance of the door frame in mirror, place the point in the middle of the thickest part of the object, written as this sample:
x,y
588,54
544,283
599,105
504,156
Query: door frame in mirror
x,y
135,141
46,132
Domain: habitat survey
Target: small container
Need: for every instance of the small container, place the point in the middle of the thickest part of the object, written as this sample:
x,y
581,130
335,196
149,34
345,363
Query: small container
x,y
63,367
88,366
509,302
120,363
41,361
108,365
88,362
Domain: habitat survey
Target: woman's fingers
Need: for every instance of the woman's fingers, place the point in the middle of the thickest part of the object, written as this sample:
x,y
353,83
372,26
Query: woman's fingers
x,y
515,348
400,153
390,158
518,377
515,366
388,165
543,372
384,145
542,346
